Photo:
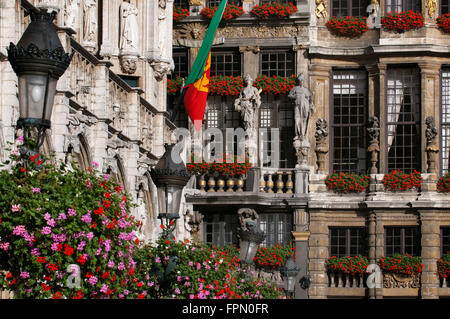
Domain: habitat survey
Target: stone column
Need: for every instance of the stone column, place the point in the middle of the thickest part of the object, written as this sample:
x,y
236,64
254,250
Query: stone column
x,y
250,60
430,95
301,59
372,246
301,248
379,248
318,254
382,164
319,85
430,254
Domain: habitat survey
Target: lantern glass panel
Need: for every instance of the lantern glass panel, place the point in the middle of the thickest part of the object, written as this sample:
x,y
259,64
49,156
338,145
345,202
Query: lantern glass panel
x,y
248,251
32,89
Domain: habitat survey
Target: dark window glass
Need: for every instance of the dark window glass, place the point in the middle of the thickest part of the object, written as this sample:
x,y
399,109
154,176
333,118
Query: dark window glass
x,y
278,112
354,8
445,6
445,240
132,81
402,240
347,241
221,229
225,63
403,119
348,121
279,1
215,3
278,63
403,5
277,227
181,3
445,120
180,58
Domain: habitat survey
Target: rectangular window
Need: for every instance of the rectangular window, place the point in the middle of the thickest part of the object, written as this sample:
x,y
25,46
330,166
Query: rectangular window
x,y
181,3
445,240
180,58
225,63
278,112
221,229
402,240
215,3
403,119
354,8
349,241
277,63
279,1
349,118
277,227
403,6
445,6
445,120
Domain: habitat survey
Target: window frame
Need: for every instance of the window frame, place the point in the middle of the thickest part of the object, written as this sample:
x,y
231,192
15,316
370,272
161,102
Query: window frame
x,y
179,52
403,5
418,145
441,237
349,9
440,7
231,52
362,126
364,247
286,219
287,72
402,240
221,220
443,124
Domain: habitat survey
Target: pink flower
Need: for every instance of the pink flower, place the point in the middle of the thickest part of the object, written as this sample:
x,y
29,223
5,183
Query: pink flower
x,y
71,212
46,230
15,208
36,190
95,164
4,246
24,275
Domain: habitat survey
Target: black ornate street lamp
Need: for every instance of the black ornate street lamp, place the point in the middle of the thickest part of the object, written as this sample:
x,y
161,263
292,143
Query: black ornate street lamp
x,y
289,273
170,176
39,60
249,242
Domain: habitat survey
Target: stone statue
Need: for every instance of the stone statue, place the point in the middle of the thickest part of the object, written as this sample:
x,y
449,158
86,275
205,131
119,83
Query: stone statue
x,y
196,2
248,220
129,36
431,5
90,21
304,107
321,9
432,147
248,103
71,13
321,144
374,147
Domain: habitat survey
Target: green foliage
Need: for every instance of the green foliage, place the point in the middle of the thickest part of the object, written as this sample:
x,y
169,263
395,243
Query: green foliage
x,y
274,257
402,264
347,264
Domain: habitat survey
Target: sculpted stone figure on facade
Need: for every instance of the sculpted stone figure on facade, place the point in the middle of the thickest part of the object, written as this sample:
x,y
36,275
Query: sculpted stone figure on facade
x,y
248,220
248,103
196,2
129,36
304,107
374,148
431,5
90,21
321,9
71,13
432,147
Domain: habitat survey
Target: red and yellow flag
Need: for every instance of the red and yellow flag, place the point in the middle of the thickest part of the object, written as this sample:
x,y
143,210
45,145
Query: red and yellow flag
x,y
197,83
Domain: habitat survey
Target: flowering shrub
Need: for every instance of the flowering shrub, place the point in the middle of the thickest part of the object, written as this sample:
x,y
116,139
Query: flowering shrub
x,y
401,264
174,85
444,266
232,11
230,166
201,272
225,85
397,181
273,257
352,27
403,21
443,184
443,22
179,13
349,265
273,9
57,223
274,85
347,182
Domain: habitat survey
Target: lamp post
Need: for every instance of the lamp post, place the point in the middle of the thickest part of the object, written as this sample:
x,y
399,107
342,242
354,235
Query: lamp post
x,y
289,273
170,177
39,60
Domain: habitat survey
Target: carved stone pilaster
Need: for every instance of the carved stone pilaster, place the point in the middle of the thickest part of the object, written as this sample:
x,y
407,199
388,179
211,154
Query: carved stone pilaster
x,y
373,131
321,144
432,147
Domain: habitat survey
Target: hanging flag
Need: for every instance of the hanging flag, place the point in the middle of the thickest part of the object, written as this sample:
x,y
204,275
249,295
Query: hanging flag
x,y
196,88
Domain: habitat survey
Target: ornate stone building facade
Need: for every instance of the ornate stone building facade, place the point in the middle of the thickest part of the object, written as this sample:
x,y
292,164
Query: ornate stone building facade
x,y
381,104
110,105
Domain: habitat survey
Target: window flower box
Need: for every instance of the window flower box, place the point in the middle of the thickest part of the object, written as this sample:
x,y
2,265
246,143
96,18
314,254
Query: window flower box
x,y
399,181
225,85
273,258
231,12
444,266
273,10
443,22
348,265
274,85
347,182
350,27
443,184
179,14
174,85
401,271
230,166
403,21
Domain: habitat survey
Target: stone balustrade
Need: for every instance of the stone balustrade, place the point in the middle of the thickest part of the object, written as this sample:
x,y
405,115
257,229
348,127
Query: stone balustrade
x,y
214,183
278,181
342,280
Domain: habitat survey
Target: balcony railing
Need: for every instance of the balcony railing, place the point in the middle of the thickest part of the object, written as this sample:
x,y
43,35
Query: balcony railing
x,y
278,181
342,280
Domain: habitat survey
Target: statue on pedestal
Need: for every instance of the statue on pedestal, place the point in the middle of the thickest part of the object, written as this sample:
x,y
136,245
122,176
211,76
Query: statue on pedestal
x,y
248,103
